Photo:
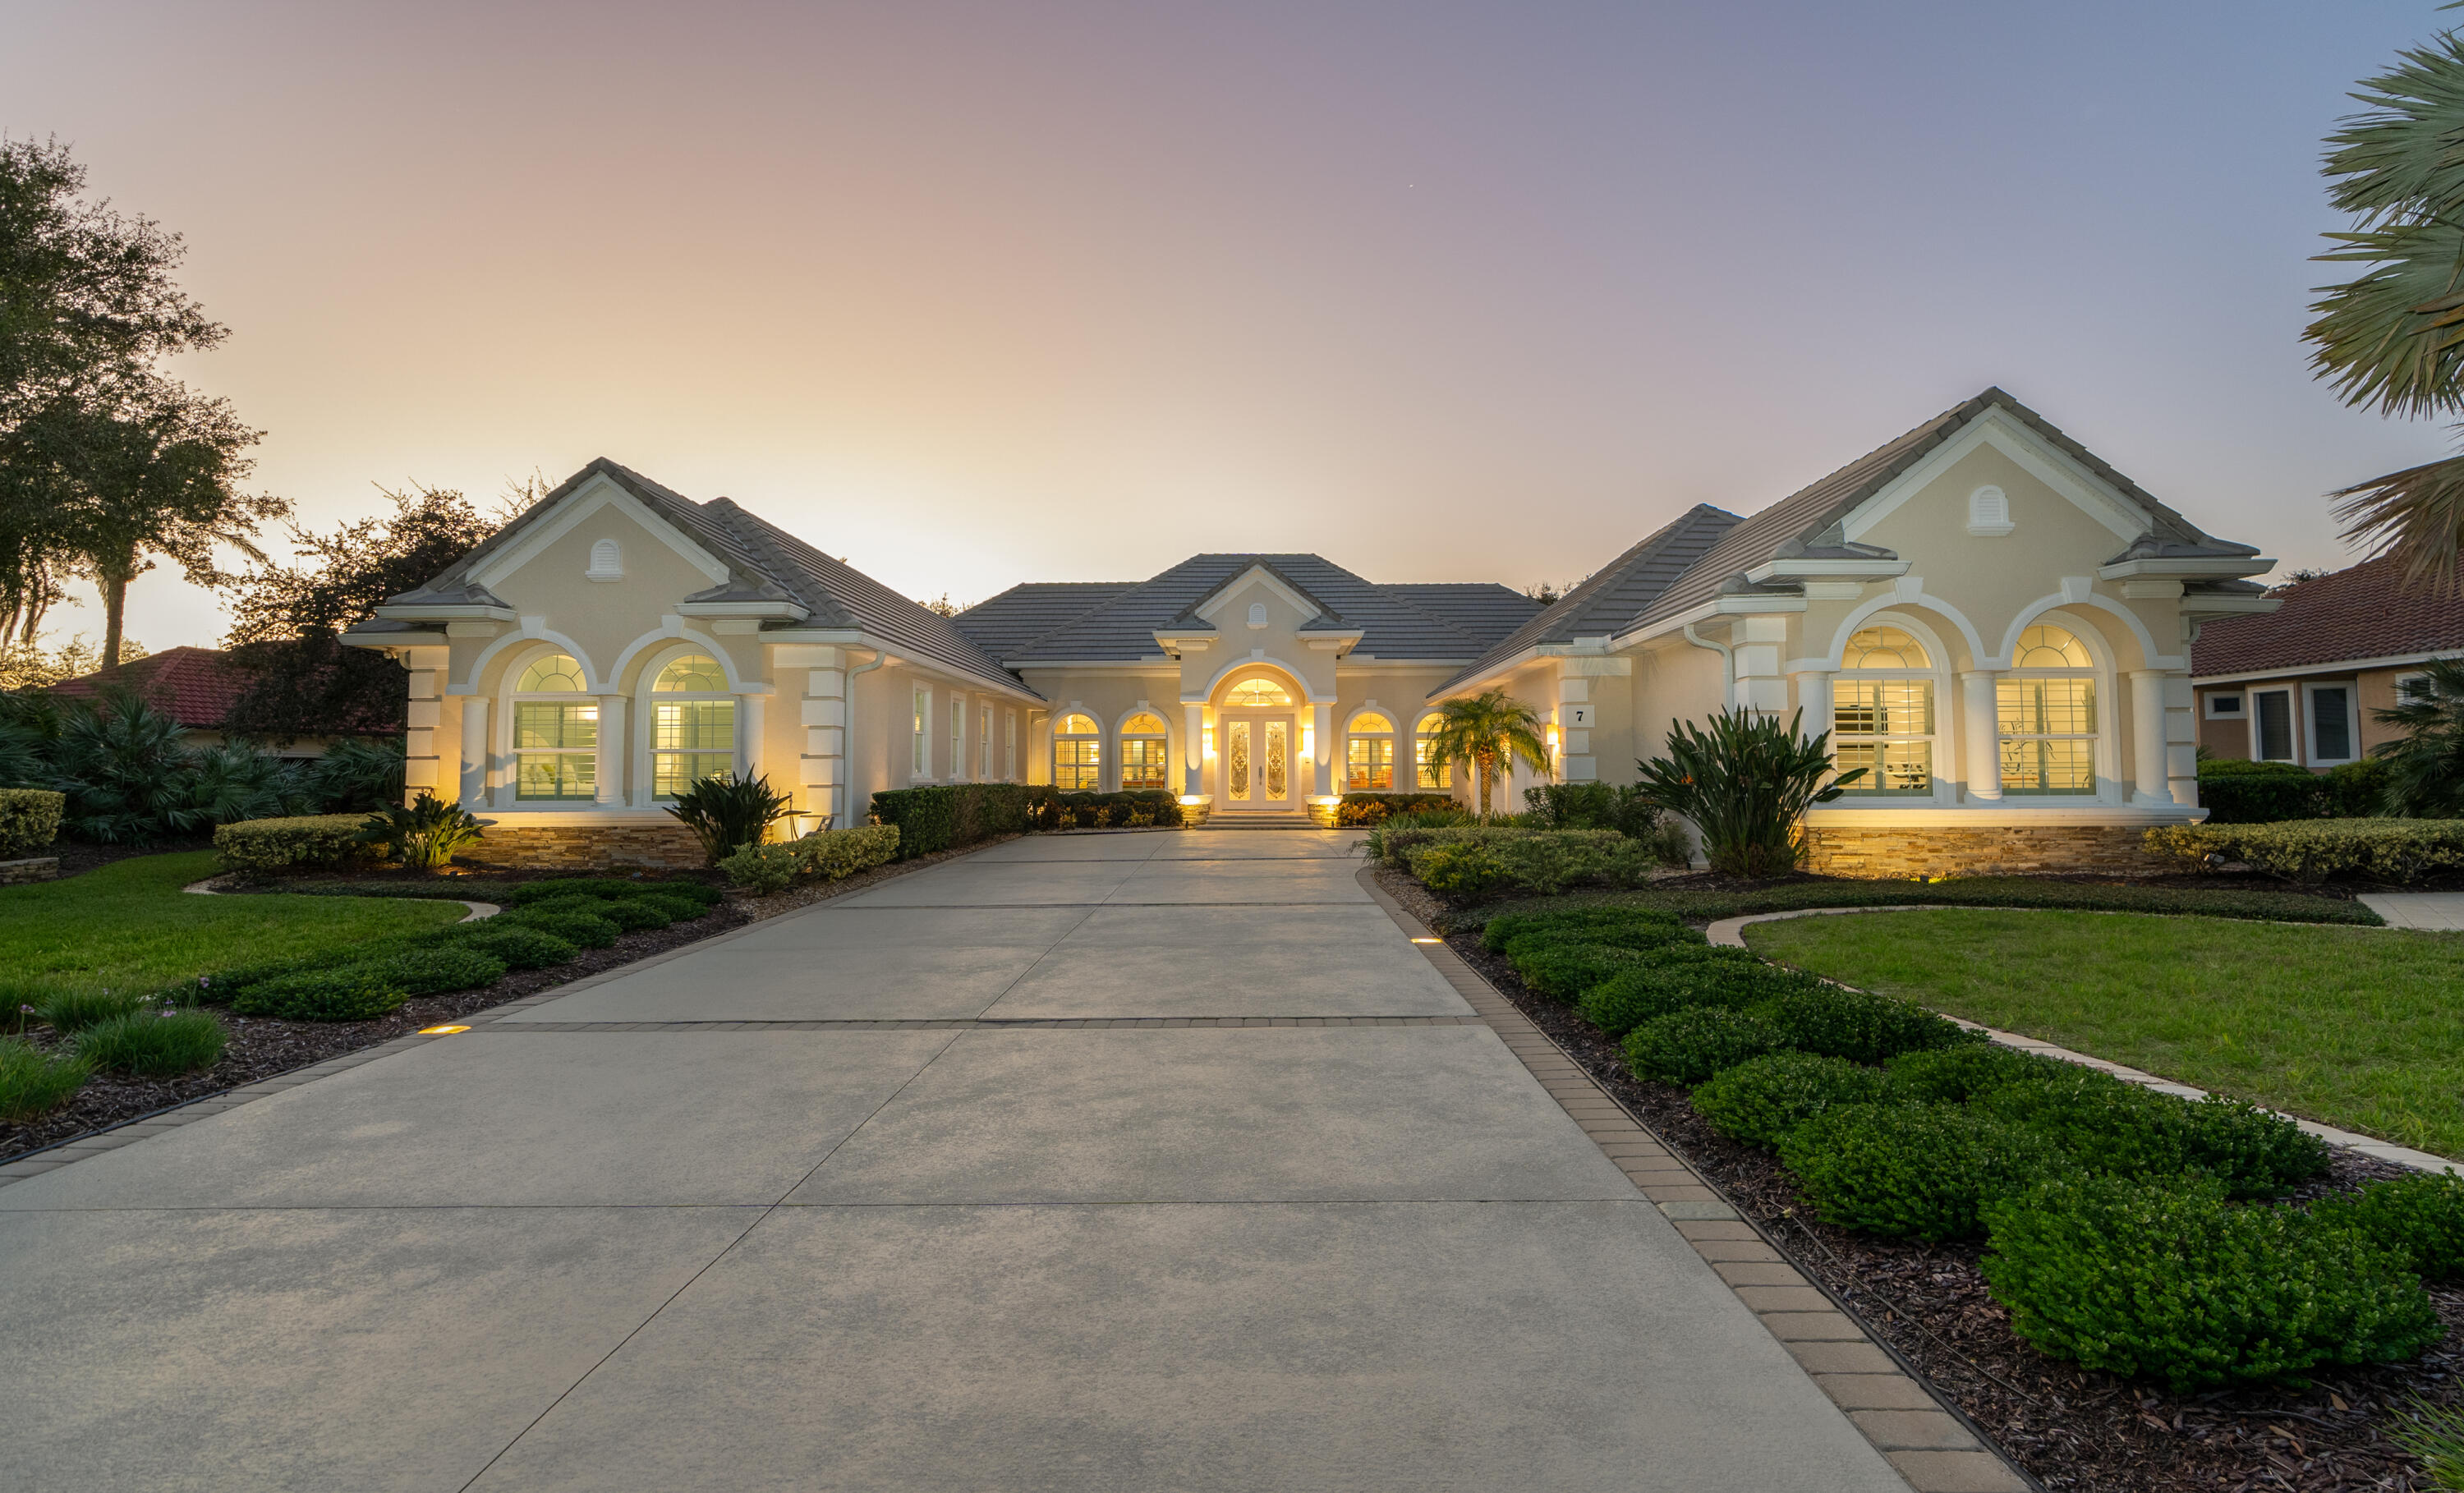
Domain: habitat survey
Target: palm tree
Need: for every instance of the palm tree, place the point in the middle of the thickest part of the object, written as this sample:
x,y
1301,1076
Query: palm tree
x,y
2426,765
1492,731
2394,338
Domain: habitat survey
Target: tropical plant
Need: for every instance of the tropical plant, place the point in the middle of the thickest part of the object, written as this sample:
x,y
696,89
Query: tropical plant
x,y
123,765
2393,338
2425,766
356,774
727,813
1493,731
424,836
1745,780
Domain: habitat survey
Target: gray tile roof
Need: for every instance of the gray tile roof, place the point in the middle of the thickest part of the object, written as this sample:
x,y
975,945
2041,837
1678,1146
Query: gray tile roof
x,y
1031,609
1400,622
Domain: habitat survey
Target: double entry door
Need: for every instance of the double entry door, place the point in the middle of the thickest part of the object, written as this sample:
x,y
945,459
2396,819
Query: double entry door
x,y
1254,751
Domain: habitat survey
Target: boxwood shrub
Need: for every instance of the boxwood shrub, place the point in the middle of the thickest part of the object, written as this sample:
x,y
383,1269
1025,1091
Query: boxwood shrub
x,y
2419,1218
1563,970
678,910
1680,979
2119,1128
274,844
1858,1025
2166,1279
153,1044
557,889
2315,849
1919,1170
630,914
1690,1047
28,819
1634,928
1762,1100
429,972
1957,1074
518,947
585,928
353,993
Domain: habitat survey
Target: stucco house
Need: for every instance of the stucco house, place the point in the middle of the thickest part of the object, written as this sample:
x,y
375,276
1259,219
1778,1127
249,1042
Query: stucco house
x,y
1995,621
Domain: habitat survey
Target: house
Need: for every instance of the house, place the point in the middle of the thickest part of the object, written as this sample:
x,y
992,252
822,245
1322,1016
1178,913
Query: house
x,y
194,686
1995,621
2303,684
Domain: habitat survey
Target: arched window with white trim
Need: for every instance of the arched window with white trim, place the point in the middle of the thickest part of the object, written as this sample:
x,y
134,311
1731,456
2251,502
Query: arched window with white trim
x,y
1077,754
1882,714
2045,710
1250,693
556,733
693,725
1369,753
1430,777
1143,763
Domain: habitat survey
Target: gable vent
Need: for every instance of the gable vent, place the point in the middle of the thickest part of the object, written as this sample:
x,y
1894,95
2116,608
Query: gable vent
x,y
1988,511
1257,614
607,562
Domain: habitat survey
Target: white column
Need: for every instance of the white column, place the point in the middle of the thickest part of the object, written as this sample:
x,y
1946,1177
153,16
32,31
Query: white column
x,y
2181,741
1813,703
750,746
423,770
611,749
1759,641
2147,769
821,763
1322,722
1981,733
1193,740
474,752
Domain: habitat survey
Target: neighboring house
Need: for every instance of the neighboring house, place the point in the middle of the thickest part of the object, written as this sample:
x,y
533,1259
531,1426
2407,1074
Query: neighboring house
x,y
195,687
1994,622
2304,683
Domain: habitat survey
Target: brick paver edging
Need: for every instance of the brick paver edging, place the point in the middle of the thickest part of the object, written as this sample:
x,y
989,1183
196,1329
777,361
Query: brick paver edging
x,y
1732,932
1929,1444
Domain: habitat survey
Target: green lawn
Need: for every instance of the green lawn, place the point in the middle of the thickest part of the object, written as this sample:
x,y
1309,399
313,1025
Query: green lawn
x,y
127,926
2356,1028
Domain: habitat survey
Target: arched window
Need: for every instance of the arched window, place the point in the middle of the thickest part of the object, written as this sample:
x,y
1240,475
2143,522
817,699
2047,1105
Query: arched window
x,y
1882,715
1369,755
2046,707
1077,755
693,725
556,732
1433,776
1143,752
1250,692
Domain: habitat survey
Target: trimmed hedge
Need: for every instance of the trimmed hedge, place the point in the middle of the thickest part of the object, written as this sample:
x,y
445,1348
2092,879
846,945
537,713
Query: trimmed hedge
x,y
2420,1218
1859,1027
1362,810
1975,891
1689,1047
1565,971
587,930
516,947
1763,1100
829,854
2110,1127
2237,792
953,815
1131,808
274,844
30,818
1473,861
1957,1074
1681,977
1918,1171
2167,1280
2313,850
1498,932
353,993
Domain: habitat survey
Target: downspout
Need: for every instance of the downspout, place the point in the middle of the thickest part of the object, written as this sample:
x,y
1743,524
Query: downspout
x,y
1727,666
880,656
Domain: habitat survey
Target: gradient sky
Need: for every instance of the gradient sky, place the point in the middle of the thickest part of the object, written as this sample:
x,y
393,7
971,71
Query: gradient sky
x,y
976,294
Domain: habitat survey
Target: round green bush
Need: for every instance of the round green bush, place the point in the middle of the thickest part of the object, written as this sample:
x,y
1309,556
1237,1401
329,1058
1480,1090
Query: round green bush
x,y
1690,1047
693,891
1499,931
33,1082
1760,1101
2166,1280
1859,1027
2122,1129
520,948
1649,936
2419,1218
153,1044
427,972
558,886
678,910
353,993
1655,987
1563,972
586,929
633,914
1955,1075
1919,1170
2253,1153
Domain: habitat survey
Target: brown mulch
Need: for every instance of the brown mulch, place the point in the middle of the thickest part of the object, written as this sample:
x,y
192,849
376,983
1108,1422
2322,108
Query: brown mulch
x,y
2072,1428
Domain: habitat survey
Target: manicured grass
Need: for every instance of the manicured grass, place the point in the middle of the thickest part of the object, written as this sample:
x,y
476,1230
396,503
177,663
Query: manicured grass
x,y
129,926
2356,1028
1967,891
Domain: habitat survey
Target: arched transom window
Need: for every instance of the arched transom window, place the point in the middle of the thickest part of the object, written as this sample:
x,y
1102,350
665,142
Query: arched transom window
x,y
1143,752
1369,755
1077,754
556,732
2046,710
1432,775
693,725
1882,714
1251,692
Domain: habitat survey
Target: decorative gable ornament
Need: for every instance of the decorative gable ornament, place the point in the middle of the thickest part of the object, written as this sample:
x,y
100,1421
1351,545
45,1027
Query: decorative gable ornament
x,y
1257,614
1988,512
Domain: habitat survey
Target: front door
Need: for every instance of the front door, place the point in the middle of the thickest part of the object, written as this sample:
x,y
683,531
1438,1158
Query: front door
x,y
1256,752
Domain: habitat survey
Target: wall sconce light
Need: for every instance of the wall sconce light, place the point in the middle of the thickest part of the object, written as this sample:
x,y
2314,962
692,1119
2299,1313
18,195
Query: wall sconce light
x,y
1308,743
1207,745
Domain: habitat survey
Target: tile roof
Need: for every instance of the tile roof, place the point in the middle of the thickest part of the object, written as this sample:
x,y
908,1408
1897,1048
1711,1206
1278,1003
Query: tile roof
x,y
195,687
2363,612
1029,610
1400,622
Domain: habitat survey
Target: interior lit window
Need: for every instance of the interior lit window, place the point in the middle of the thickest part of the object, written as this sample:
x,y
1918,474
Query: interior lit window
x,y
1369,755
555,742
919,765
1143,752
1434,776
1257,692
1882,716
693,725
1077,755
2046,713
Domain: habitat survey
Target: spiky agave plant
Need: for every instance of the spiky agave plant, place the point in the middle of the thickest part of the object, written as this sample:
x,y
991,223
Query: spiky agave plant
x,y
424,836
728,813
1745,780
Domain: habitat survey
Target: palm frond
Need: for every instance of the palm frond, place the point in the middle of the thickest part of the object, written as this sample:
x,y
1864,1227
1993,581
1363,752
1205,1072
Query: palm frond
x,y
2394,338
2415,517
2405,154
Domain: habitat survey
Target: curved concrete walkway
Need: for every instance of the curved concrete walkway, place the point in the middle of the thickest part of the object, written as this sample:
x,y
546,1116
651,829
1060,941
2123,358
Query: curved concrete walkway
x,y
893,1193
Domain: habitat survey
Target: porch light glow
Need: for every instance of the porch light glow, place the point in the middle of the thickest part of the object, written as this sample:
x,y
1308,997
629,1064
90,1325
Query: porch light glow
x,y
1309,740
1206,747
441,1031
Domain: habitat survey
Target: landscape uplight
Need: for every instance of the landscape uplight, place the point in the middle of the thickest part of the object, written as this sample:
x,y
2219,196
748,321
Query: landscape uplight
x,y
441,1031
1428,941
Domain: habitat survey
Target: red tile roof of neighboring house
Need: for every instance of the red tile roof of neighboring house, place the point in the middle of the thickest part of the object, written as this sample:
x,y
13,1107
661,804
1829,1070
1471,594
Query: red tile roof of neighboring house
x,y
2364,612
192,685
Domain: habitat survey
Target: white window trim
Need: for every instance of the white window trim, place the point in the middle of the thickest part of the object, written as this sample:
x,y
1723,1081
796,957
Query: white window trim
x,y
2104,774
1119,760
958,738
2292,723
1103,757
2310,717
644,726
2398,682
508,793
2240,696
984,741
1936,672
1392,737
1009,744
1445,770
919,754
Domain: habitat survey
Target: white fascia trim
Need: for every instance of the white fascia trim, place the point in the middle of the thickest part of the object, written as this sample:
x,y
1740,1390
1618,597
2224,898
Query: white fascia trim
x,y
1186,642
2195,605
2033,453
846,637
1672,627
2005,812
601,491
457,611
393,640
2204,569
742,609
1223,596
2340,665
1828,570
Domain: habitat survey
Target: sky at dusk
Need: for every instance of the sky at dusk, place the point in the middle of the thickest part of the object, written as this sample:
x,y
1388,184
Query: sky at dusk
x,y
975,294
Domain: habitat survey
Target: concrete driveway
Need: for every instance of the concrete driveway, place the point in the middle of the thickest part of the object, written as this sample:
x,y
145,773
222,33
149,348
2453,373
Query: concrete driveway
x,y
951,1253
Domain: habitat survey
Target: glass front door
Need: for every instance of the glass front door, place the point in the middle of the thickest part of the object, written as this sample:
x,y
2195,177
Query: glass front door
x,y
1259,772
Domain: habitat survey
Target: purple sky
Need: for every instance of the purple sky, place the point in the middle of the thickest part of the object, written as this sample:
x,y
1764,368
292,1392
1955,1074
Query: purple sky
x,y
984,292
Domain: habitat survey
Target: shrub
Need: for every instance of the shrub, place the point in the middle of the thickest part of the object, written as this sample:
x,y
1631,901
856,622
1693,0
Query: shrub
x,y
1681,980
32,1082
2113,1128
2315,849
1499,932
1919,1170
518,947
156,1043
1760,1101
427,972
2419,1218
707,896
1467,871
2166,1280
274,844
1957,1074
947,818
557,889
632,914
1563,970
1858,1025
836,855
924,818
575,927
2356,790
678,910
1746,782
425,835
69,1011
1971,892
1403,824
1689,1047
353,993
2235,792
762,870
28,819
1653,936
727,812
1627,810
1364,810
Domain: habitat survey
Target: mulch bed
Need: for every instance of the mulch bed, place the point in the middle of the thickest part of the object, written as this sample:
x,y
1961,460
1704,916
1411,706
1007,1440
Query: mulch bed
x,y
2072,1428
